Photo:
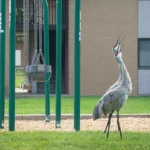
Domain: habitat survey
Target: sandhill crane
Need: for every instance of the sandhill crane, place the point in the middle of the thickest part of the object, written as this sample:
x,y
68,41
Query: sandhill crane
x,y
118,82
115,97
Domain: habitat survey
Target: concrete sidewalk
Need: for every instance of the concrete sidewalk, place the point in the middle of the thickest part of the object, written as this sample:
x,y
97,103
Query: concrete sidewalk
x,y
19,90
71,116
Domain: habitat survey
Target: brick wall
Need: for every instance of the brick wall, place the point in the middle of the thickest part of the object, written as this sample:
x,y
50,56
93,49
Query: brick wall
x,y
102,22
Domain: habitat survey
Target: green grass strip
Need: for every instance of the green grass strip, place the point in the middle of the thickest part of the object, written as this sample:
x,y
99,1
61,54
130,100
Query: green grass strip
x,y
73,141
134,105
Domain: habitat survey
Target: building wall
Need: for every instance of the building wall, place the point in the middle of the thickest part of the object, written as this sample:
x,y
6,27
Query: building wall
x,y
144,47
25,54
102,22
19,46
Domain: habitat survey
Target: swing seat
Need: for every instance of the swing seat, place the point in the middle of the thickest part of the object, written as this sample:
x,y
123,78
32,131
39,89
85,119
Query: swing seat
x,y
38,72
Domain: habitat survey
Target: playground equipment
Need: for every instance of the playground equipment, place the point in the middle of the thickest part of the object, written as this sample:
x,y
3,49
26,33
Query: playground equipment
x,y
34,72
2,61
36,68
77,39
26,84
58,61
12,64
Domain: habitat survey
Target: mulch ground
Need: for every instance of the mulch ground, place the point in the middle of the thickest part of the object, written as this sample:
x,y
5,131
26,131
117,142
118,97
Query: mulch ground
x,y
127,124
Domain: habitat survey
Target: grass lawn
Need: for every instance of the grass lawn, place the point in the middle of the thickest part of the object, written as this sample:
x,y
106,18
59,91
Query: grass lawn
x,y
19,77
73,141
134,105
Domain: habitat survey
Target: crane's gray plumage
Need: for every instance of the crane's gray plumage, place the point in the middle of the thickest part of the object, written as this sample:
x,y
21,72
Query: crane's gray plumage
x,y
117,83
116,95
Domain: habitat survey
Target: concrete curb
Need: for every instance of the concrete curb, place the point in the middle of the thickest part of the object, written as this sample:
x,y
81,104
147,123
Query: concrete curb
x,y
37,117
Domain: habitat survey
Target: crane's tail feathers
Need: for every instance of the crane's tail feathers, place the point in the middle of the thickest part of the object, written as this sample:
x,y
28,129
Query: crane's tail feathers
x,y
98,111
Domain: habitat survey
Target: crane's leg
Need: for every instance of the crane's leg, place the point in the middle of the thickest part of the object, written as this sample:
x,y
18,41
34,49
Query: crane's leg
x,y
108,124
109,118
118,123
110,115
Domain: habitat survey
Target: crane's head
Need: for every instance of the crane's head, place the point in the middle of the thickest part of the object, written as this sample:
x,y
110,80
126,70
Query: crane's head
x,y
117,49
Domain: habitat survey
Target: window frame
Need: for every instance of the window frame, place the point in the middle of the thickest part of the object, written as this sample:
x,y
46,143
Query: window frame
x,y
142,67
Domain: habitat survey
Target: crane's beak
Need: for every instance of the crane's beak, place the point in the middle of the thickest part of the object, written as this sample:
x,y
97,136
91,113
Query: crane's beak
x,y
122,47
117,42
116,48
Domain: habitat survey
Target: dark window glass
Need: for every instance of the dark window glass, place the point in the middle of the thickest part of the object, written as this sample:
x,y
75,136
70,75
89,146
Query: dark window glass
x,y
144,52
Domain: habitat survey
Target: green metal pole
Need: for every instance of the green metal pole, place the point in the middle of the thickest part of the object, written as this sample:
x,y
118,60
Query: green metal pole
x,y
58,61
12,50
2,62
77,65
46,56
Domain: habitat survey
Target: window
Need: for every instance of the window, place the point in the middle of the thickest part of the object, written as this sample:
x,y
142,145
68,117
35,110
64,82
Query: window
x,y
144,53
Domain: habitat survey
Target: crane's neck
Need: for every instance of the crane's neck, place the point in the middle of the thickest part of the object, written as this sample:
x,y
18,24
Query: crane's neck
x,y
120,68
123,70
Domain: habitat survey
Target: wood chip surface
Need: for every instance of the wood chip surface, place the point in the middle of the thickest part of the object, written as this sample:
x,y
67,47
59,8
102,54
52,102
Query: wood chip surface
x,y
127,124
